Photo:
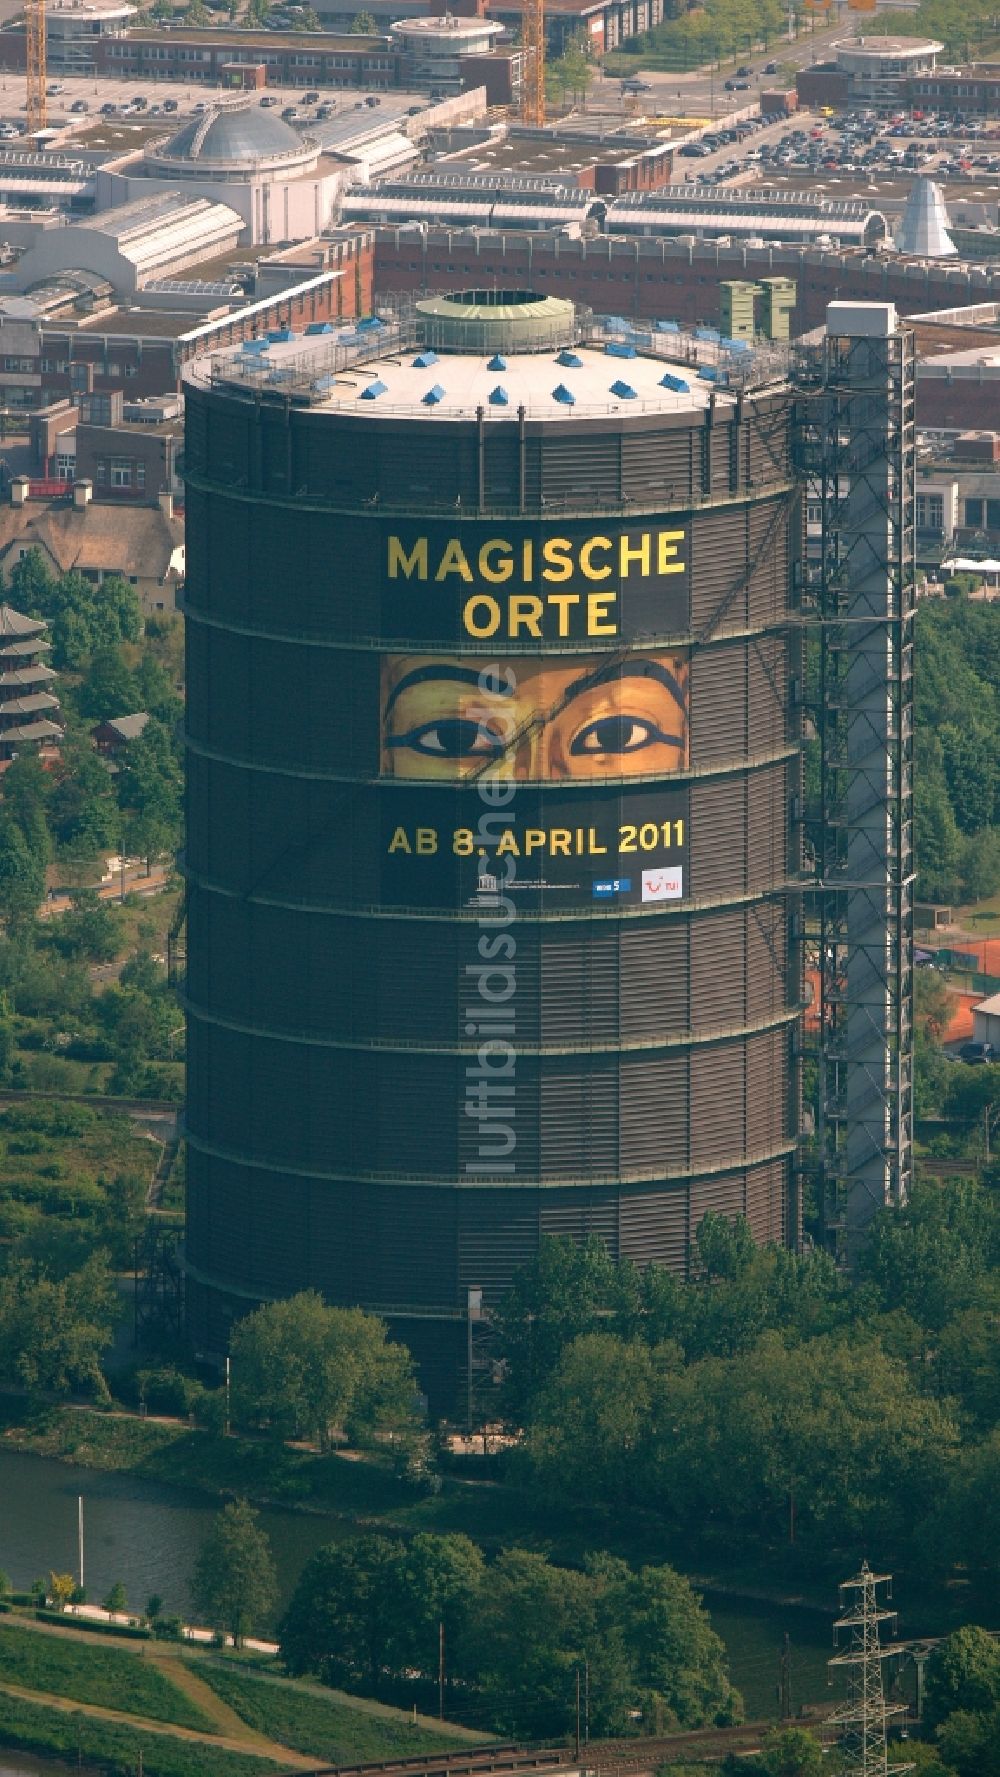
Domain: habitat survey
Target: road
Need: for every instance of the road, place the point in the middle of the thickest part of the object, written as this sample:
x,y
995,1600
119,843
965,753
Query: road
x,y
702,93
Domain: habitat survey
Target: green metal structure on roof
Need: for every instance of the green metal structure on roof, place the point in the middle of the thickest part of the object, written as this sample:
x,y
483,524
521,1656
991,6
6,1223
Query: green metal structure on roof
x,y
496,321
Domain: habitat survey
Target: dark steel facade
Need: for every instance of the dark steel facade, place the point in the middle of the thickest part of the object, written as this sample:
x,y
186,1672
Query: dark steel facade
x,y
327,1001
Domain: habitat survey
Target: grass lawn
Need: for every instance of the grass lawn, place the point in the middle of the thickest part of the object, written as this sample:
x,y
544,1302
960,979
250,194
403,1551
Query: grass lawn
x,y
106,1676
66,1734
322,1725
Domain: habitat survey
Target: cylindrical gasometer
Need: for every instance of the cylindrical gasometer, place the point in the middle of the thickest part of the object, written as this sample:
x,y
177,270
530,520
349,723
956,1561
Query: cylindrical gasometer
x,y
493,778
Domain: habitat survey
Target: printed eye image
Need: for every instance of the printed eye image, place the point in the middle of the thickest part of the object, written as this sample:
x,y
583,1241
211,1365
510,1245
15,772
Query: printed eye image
x,y
450,718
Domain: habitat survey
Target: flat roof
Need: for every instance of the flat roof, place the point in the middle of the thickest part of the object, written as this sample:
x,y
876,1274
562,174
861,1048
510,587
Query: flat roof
x,y
888,46
562,155
448,26
461,383
140,323
239,40
121,133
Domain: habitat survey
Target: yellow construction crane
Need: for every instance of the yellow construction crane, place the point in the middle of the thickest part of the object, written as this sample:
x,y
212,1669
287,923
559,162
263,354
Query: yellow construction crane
x,y
34,17
533,78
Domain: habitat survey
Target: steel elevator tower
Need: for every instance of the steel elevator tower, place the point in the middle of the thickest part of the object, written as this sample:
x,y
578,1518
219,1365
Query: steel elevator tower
x,y
858,432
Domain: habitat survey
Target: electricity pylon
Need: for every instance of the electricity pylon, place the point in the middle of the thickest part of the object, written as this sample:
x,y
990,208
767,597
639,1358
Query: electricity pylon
x,y
866,1716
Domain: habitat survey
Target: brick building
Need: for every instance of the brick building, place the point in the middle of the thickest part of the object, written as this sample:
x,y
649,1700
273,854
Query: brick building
x,y
45,358
668,279
209,57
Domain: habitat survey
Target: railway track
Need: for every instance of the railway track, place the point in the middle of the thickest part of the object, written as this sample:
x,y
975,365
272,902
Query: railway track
x,y
611,1758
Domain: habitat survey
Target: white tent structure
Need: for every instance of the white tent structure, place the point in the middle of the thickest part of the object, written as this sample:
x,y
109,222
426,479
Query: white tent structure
x,y
923,226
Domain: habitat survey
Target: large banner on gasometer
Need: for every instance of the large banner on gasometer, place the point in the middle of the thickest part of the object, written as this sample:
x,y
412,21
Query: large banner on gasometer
x,y
534,718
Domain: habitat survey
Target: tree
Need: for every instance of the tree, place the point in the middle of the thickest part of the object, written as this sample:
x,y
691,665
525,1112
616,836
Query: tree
x,y
562,1293
930,1257
32,584
27,787
84,810
150,789
591,1419
792,1752
363,24
725,1248
306,20
22,876
440,1582
933,1004
676,1657
109,687
963,1673
981,864
116,1602
344,1612
234,1580
156,692
89,929
303,1368
53,1333
970,1743
197,13
61,1589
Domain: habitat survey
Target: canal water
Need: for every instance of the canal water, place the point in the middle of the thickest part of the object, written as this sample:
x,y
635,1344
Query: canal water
x,y
147,1535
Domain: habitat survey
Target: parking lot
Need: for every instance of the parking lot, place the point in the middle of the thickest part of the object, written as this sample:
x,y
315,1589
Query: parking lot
x,y
165,102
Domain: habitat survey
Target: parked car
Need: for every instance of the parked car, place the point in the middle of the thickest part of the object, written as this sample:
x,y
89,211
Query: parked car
x,y
770,68
973,1052
79,105
310,98
170,104
693,148
744,72
269,99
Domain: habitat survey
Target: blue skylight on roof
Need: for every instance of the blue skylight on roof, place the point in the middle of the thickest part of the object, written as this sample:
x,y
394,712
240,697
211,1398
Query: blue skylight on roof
x,y
615,349
572,360
677,383
499,397
561,393
374,390
624,391
497,363
424,360
319,327
433,396
280,335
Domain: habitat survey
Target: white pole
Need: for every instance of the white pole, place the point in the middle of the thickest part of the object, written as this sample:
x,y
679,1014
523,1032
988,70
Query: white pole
x,y
79,1533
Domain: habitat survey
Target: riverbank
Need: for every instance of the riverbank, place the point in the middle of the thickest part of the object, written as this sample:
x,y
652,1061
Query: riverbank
x,y
360,1490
